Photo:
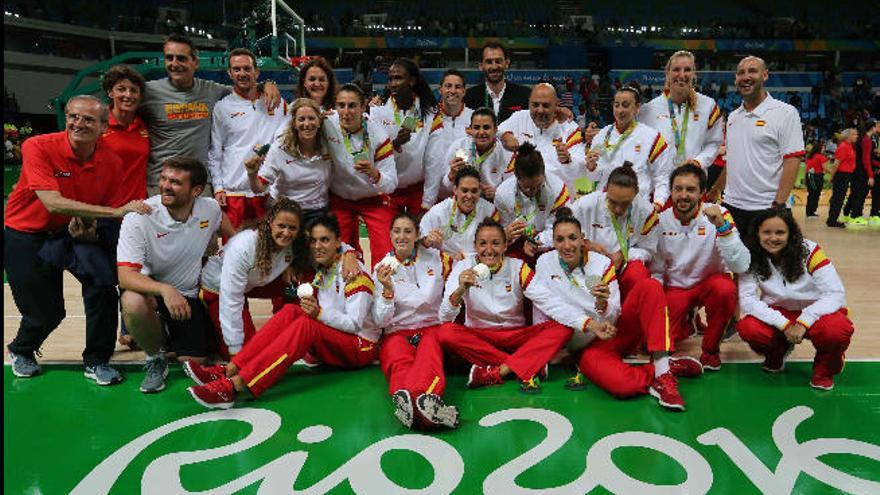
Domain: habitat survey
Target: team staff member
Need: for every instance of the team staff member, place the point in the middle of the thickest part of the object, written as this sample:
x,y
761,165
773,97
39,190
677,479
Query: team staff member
x,y
578,289
697,245
363,173
844,165
764,147
689,121
405,116
560,143
621,225
126,133
449,124
334,324
495,92
177,109
495,338
159,258
240,125
298,164
450,224
627,140
63,175
479,150
527,204
318,82
815,179
801,297
411,278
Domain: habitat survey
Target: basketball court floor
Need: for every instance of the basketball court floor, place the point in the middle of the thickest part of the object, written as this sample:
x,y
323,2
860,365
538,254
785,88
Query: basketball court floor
x,y
333,432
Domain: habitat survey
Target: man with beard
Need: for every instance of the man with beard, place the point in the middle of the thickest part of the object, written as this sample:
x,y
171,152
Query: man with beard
x,y
449,124
177,109
495,92
241,126
696,249
159,259
764,147
66,177
561,143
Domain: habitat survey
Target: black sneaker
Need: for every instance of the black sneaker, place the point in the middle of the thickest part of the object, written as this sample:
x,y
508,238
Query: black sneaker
x,y
403,407
24,366
839,225
435,411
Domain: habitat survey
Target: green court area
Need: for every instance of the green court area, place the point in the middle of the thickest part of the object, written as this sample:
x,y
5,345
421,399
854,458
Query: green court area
x,y
745,432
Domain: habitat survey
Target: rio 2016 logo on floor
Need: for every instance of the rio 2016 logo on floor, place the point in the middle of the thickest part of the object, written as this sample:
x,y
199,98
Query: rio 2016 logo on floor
x,y
365,474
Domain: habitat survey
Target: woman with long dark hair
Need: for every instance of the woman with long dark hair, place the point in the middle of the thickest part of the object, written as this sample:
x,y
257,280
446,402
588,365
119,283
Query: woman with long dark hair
x,y
801,297
318,83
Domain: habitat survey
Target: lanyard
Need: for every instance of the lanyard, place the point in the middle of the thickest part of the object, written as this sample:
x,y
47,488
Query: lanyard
x,y
324,278
622,240
397,119
477,158
346,138
570,272
629,130
518,206
680,137
467,222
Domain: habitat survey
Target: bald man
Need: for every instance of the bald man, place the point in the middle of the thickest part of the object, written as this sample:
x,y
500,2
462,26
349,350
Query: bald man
x,y
560,143
765,144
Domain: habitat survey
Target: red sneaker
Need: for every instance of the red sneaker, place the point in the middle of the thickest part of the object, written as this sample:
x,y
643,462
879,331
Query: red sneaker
x,y
710,361
219,394
203,375
480,376
685,366
822,382
774,362
665,389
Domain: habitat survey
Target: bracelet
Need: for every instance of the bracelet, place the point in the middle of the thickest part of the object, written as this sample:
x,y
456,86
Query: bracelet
x,y
725,228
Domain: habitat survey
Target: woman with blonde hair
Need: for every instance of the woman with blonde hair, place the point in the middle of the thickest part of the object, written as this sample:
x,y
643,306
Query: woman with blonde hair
x,y
297,165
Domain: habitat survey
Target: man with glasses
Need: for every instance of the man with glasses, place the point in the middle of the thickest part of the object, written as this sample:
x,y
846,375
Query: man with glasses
x,y
67,179
178,109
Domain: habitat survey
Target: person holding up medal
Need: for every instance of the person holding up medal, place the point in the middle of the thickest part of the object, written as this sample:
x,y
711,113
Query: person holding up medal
x,y
689,121
578,288
363,173
450,224
333,322
635,142
527,205
480,150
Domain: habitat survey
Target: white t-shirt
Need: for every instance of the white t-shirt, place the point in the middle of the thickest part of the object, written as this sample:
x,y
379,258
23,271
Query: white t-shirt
x,y
304,180
757,143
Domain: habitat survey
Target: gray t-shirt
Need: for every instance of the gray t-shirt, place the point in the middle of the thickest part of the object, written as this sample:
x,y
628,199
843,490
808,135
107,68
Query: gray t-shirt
x,y
179,121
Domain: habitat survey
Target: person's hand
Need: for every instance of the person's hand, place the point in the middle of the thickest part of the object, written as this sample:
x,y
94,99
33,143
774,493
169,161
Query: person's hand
x,y
350,266
376,101
871,182
271,96
310,306
220,196
383,273
252,164
562,153
366,167
722,150
617,259
82,230
596,248
289,276
134,206
795,333
592,160
602,329
488,191
455,165
434,239
515,229
658,207
601,292
509,141
403,136
177,305
692,162
713,213
467,279
590,132
564,114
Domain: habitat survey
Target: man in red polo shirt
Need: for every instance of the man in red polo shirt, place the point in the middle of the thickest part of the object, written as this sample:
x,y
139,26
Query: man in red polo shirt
x,y
65,178
845,164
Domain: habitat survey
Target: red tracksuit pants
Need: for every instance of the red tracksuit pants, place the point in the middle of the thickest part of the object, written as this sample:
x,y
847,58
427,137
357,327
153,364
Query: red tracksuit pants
x,y
633,272
274,290
642,318
409,198
240,209
829,334
524,350
286,338
717,293
377,213
397,355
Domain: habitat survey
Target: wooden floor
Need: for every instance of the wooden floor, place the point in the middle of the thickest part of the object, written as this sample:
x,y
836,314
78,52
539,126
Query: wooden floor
x,y
855,253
